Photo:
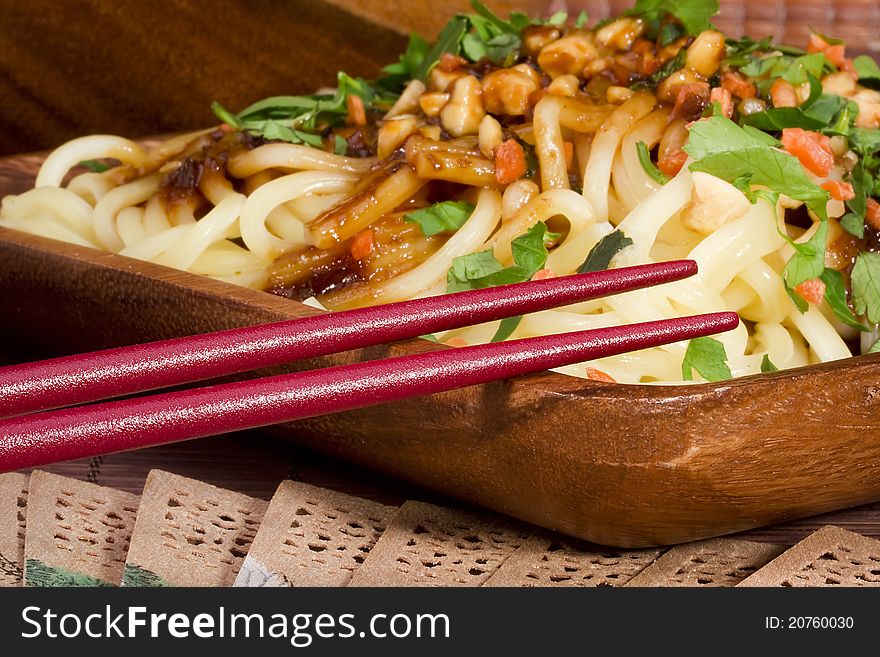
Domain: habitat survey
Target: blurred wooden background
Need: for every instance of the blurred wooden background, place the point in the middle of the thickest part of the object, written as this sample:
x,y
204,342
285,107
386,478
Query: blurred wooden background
x,y
138,68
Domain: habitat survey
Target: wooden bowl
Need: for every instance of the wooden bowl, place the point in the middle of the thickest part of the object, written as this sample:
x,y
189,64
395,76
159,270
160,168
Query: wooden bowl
x,y
621,465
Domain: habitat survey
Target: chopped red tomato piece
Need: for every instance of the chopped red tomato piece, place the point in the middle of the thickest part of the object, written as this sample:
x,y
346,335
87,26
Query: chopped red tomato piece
x,y
840,191
362,244
722,96
811,291
811,148
510,162
738,86
598,375
671,163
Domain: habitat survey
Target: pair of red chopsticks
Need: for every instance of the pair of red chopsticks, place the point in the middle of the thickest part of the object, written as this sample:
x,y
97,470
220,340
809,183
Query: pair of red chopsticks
x,y
29,438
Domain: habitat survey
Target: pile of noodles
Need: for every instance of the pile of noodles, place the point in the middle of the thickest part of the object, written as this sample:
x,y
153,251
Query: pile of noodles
x,y
277,199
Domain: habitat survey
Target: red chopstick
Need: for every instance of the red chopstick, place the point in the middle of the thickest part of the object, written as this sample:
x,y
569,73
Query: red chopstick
x,y
100,375
34,440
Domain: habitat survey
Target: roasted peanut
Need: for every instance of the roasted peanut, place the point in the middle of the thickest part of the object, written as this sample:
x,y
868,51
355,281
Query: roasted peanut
x,y
464,111
432,103
706,53
490,135
622,33
564,85
393,133
506,91
567,56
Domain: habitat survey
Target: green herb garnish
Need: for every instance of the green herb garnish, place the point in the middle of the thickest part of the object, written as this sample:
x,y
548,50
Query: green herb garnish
x,y
650,168
866,286
445,217
708,357
603,252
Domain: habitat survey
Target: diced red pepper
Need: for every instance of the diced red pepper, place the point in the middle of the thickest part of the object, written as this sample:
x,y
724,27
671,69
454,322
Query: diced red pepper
x,y
811,291
872,216
362,244
598,375
840,191
672,163
357,115
510,162
722,96
738,86
811,148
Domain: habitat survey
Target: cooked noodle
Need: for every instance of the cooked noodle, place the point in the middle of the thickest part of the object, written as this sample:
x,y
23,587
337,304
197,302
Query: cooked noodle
x,y
271,215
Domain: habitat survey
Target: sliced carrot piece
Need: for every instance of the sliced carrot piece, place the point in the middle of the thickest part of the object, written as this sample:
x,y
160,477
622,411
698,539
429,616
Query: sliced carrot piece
x,y
783,94
599,375
357,115
811,148
510,162
811,291
840,191
738,86
457,342
362,244
543,274
672,162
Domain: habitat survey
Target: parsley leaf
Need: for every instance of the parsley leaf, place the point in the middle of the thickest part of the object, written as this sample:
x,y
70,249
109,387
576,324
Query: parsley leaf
x,y
409,66
867,70
866,286
299,119
448,41
506,328
875,348
601,254
480,270
708,357
693,15
816,113
767,366
445,217
650,168
723,149
95,166
798,71
582,19
835,296
808,260
340,145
